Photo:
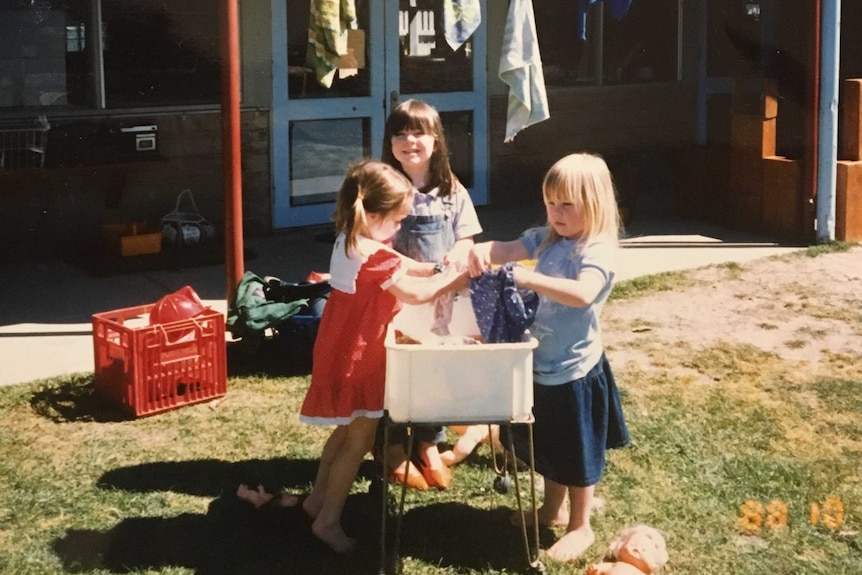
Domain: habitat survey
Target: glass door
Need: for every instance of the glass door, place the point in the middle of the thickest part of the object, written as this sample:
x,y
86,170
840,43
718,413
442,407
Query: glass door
x,y
440,59
318,130
330,112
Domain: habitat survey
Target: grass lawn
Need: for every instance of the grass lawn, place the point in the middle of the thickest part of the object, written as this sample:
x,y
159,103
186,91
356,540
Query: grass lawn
x,y
758,472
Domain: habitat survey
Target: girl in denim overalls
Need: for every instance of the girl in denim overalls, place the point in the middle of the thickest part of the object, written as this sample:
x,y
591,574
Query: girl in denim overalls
x,y
439,231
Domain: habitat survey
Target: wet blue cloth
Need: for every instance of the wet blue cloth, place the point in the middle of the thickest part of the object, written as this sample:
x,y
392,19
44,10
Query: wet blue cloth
x,y
618,9
502,311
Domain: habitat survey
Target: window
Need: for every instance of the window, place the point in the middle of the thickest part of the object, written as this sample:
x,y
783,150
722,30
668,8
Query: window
x,y
148,53
640,47
161,53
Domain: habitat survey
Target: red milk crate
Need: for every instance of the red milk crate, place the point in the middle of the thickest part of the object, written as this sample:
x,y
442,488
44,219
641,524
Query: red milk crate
x,y
147,369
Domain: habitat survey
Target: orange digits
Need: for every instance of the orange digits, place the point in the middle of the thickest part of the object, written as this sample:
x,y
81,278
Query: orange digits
x,y
776,514
832,515
752,516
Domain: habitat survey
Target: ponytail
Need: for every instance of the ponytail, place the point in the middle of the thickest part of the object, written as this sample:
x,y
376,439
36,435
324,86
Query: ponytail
x,y
369,187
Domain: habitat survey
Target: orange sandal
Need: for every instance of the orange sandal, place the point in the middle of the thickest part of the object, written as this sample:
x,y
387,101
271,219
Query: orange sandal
x,y
414,478
440,478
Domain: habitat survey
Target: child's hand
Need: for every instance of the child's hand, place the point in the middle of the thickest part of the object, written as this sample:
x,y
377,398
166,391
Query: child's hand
x,y
599,568
460,264
521,275
462,281
479,258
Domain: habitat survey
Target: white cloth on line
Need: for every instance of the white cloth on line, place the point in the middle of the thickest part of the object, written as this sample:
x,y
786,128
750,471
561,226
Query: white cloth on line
x,y
521,70
460,20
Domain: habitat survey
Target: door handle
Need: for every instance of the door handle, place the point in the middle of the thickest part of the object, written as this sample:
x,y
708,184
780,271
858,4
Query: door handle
x,y
393,99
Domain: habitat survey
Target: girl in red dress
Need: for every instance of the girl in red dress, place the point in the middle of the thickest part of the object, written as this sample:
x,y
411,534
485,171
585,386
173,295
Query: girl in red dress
x,y
369,282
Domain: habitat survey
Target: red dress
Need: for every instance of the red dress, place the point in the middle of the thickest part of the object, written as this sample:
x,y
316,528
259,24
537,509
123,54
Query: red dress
x,y
349,369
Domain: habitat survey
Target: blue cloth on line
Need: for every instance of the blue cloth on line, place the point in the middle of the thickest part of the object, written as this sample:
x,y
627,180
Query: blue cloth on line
x,y
460,20
618,9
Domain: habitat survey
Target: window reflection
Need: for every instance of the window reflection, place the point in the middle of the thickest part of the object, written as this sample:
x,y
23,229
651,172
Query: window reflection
x,y
640,47
458,128
428,63
320,152
154,53
159,53
301,80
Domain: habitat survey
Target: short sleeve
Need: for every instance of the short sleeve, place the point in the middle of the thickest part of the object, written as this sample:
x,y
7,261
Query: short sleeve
x,y
465,220
601,256
382,268
532,238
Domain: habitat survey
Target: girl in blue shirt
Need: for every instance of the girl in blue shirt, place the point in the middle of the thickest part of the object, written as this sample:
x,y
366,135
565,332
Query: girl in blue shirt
x,y
577,409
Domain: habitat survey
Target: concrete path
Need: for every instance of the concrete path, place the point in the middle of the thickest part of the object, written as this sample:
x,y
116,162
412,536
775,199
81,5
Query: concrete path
x,y
45,318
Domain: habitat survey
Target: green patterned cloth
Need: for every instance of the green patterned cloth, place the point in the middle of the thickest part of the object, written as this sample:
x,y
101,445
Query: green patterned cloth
x,y
329,21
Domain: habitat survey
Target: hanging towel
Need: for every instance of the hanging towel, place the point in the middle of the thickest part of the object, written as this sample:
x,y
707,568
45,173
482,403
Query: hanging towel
x,y
618,9
460,20
328,23
521,70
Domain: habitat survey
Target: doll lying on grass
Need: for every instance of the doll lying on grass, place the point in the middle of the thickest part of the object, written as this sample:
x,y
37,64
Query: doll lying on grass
x,y
260,498
638,550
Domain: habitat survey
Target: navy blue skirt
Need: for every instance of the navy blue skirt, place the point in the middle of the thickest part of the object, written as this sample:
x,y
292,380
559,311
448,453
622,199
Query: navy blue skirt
x,y
575,424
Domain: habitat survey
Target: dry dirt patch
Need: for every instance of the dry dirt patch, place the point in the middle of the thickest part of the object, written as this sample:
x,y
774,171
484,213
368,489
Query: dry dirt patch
x,y
797,307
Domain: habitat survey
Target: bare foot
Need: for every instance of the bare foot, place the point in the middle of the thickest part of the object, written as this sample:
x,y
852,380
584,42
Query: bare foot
x,y
334,536
572,545
546,518
311,506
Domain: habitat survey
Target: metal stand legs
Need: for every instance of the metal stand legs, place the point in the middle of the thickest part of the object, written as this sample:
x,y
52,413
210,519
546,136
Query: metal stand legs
x,y
531,548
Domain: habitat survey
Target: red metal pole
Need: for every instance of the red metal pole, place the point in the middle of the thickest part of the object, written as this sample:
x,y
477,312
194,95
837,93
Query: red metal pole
x,y
812,123
231,151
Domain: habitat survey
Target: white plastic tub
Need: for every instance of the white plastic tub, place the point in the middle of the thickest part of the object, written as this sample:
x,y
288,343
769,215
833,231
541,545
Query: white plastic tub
x,y
463,383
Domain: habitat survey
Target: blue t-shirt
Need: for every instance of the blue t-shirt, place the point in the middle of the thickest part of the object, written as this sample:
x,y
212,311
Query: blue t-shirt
x,y
570,338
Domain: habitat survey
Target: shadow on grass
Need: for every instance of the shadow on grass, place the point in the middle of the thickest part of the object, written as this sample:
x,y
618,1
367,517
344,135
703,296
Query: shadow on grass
x,y
272,356
231,538
235,538
74,400
463,537
212,477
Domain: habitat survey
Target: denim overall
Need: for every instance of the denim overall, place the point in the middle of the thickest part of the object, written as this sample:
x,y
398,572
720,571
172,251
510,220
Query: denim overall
x,y
427,238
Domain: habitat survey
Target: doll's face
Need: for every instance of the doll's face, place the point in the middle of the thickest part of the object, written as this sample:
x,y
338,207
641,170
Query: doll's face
x,y
642,550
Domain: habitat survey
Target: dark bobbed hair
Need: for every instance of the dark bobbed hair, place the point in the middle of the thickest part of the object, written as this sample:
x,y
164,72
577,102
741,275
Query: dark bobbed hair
x,y
417,115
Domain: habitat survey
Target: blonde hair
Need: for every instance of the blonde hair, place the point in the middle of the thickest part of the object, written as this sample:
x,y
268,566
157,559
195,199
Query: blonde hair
x,y
585,181
655,559
369,187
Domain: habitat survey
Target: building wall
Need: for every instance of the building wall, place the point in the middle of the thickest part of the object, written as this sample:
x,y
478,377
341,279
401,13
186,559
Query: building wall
x,y
646,131
634,127
61,208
